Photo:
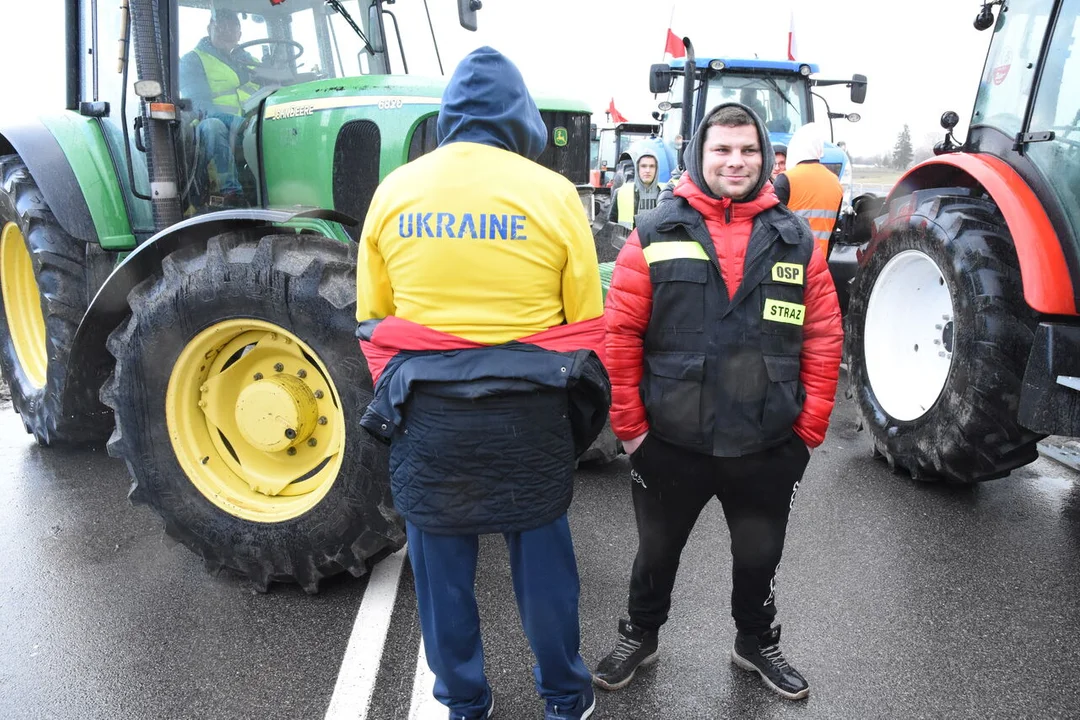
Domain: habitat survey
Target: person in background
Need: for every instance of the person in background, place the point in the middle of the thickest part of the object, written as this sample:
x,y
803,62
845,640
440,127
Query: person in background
x,y
780,152
808,188
641,195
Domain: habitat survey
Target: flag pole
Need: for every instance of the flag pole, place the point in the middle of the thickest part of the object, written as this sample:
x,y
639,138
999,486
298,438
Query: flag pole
x,y
671,19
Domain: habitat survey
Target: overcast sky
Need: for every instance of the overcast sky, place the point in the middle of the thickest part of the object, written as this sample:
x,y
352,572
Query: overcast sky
x,y
921,57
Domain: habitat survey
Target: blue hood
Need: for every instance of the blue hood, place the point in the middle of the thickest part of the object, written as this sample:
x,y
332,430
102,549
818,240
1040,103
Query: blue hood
x,y
487,102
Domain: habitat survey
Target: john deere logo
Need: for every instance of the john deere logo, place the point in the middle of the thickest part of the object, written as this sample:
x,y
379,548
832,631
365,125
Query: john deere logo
x,y
560,137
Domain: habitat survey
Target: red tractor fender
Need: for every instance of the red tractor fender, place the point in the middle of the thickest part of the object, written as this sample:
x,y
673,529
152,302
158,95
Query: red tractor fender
x,y
1048,286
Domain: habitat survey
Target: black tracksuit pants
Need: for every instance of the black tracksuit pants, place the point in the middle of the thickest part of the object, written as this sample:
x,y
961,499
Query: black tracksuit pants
x,y
671,486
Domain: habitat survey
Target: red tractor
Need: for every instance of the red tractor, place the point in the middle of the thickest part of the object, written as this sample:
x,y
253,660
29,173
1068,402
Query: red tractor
x,y
963,331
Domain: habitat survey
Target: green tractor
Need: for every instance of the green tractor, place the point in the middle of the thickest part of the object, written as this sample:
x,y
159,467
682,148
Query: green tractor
x,y
189,299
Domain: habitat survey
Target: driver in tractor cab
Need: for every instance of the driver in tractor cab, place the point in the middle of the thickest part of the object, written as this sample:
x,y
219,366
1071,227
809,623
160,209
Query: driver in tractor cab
x,y
633,198
217,78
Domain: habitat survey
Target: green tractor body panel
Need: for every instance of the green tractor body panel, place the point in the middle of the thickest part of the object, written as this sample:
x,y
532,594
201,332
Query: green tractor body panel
x,y
330,229
302,128
84,146
329,143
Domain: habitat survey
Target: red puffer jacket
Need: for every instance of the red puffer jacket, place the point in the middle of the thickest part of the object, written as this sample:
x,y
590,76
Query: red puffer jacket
x,y
629,306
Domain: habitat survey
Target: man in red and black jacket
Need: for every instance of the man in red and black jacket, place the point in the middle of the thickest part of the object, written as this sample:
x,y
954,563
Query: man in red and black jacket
x,y
723,347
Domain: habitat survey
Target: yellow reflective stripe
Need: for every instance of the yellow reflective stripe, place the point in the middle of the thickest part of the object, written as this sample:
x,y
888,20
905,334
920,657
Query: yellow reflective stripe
x,y
791,273
675,250
784,312
626,205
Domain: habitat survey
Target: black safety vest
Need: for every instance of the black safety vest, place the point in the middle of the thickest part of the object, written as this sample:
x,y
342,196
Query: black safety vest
x,y
721,376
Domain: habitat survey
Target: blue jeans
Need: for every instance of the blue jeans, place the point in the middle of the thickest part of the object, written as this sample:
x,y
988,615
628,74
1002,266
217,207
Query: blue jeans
x,y
215,132
545,578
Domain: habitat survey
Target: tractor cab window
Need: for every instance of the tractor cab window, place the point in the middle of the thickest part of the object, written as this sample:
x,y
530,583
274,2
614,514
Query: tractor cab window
x,y
1009,70
779,102
230,59
1057,109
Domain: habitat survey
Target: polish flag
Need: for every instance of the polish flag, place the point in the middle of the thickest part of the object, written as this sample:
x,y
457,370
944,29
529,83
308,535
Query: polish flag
x,y
674,46
791,50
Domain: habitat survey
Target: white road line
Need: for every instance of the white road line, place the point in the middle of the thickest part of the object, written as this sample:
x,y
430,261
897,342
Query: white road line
x,y
360,666
424,706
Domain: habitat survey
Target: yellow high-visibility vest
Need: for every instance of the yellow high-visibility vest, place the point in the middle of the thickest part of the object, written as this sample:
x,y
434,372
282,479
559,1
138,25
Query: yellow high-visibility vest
x,y
226,91
626,204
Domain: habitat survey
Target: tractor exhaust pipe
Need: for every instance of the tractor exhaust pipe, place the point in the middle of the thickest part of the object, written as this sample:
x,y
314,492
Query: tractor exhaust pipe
x,y
150,86
690,71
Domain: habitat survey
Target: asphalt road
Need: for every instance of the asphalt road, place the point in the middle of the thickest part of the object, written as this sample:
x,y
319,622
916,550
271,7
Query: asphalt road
x,y
898,599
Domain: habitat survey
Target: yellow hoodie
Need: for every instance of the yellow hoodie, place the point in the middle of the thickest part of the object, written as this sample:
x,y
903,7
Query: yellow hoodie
x,y
478,242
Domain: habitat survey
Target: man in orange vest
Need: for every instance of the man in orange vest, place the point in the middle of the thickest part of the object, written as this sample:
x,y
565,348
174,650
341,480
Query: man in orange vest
x,y
809,188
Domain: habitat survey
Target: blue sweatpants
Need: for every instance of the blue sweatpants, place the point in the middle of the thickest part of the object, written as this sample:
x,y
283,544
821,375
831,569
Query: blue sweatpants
x,y
545,577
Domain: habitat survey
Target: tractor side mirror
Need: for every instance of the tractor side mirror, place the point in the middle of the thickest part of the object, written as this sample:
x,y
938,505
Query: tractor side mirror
x,y
660,78
467,13
858,88
375,38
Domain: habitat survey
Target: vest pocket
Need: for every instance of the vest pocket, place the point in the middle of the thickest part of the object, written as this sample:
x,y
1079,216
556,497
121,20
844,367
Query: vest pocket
x,y
679,295
783,396
672,393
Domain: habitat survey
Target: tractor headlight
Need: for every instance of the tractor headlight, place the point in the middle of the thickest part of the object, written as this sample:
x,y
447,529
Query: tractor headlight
x,y
804,70
716,65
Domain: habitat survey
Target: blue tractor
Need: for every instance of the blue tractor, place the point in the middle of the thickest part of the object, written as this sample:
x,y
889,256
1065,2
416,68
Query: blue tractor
x,y
781,92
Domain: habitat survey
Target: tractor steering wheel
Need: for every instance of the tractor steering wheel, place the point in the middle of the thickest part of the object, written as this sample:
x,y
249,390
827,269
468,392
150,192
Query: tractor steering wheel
x,y
271,41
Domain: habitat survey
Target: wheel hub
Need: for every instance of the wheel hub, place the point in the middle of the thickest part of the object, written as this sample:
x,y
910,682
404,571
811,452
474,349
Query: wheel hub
x,y
277,412
255,420
947,336
22,305
909,335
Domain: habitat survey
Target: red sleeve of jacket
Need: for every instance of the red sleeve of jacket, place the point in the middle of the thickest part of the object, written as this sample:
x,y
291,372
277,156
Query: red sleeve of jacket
x,y
823,339
626,315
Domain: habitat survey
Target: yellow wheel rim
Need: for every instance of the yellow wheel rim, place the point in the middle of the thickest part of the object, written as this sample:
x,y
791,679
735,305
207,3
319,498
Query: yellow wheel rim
x,y
255,420
22,305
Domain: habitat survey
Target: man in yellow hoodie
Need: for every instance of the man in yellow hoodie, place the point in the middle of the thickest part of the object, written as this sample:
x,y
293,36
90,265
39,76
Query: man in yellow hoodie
x,y
479,305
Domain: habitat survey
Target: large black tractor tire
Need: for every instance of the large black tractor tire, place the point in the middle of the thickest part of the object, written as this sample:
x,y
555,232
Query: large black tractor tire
x,y
44,299
217,305
970,432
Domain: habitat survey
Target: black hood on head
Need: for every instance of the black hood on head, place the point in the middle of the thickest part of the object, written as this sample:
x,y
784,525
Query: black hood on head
x,y
486,102
693,154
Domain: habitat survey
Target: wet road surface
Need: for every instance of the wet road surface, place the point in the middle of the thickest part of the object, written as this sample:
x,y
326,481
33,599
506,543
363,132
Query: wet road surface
x,y
898,599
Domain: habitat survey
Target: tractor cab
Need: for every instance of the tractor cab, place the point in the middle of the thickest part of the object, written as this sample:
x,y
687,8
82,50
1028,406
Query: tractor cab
x,y
780,93
611,147
1027,110
233,72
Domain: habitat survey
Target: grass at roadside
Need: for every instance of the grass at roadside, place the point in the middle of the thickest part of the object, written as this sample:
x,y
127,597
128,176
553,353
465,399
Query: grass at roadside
x,y
875,175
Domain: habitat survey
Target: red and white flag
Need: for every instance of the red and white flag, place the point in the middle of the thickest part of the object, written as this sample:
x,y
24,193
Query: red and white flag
x,y
792,51
674,45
